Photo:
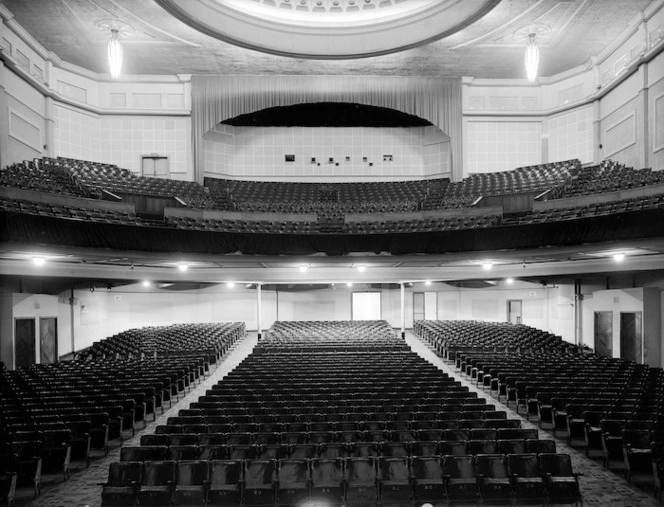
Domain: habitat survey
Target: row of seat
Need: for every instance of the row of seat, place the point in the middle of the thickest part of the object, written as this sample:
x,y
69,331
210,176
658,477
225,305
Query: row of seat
x,y
489,478
51,414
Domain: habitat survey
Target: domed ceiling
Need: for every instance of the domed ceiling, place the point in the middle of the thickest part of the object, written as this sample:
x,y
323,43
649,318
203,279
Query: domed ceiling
x,y
475,38
329,29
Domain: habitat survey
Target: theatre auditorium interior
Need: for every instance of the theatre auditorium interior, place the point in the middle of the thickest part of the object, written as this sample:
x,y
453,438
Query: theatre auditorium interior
x,y
331,253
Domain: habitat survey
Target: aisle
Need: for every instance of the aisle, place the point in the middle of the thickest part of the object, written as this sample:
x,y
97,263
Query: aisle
x,y
82,489
599,486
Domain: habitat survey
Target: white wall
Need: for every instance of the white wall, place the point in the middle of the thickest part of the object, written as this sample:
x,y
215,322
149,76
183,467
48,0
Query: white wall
x,y
495,145
122,140
356,152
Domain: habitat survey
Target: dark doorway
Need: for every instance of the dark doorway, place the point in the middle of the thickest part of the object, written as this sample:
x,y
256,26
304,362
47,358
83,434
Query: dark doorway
x,y
24,342
631,336
604,333
48,340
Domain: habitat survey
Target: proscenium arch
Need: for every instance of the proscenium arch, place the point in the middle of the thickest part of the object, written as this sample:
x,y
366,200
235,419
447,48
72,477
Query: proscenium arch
x,y
215,99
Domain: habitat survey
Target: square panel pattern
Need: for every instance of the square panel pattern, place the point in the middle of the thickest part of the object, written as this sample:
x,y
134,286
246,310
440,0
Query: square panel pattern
x,y
494,146
120,141
571,136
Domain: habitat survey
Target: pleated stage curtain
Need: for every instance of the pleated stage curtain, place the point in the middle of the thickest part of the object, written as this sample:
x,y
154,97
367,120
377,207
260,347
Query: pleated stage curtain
x,y
218,98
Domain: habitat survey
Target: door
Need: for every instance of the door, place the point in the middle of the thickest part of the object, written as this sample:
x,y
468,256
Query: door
x,y
155,165
631,337
24,342
430,306
418,306
514,307
604,333
48,340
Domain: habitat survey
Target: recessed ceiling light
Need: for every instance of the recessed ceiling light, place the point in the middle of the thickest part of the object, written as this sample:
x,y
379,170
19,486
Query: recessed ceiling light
x,y
487,266
303,268
619,257
183,266
146,283
509,280
349,284
361,268
230,285
39,261
428,282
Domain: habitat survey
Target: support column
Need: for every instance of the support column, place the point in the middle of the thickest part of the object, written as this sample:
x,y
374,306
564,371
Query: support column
x,y
643,99
260,310
49,141
597,136
4,120
403,310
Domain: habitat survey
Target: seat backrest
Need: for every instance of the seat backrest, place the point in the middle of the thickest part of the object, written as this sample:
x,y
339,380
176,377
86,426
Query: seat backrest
x,y
426,468
290,471
259,472
225,472
459,467
540,446
124,473
360,470
523,465
192,473
491,465
158,473
558,465
327,471
394,469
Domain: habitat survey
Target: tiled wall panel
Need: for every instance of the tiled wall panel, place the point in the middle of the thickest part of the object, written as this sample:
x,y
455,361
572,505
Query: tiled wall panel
x,y
494,146
571,136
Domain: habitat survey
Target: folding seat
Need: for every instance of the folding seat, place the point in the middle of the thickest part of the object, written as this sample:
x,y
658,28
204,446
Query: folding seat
x,y
428,485
327,481
225,483
204,439
80,440
482,434
527,482
562,485
153,439
540,446
459,476
28,457
611,434
236,452
481,447
156,486
321,437
451,448
56,451
303,451
424,448
219,427
191,483
593,431
293,482
364,449
238,438
394,480
333,450
516,433
516,446
272,451
144,453
395,449
122,485
182,439
457,435
259,482
291,438
361,481
183,452
637,452
494,484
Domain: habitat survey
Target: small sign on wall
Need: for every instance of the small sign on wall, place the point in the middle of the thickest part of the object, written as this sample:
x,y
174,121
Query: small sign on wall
x,y
291,158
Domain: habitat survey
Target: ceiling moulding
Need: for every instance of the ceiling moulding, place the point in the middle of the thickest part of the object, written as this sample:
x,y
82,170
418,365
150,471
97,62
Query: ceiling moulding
x,y
329,36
